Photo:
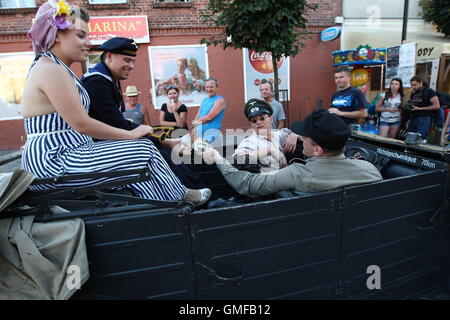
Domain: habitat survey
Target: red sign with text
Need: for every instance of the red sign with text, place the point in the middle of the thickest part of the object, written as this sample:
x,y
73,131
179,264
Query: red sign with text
x,y
105,28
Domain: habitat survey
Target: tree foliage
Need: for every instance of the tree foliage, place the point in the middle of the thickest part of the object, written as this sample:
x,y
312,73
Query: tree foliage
x,y
437,12
276,26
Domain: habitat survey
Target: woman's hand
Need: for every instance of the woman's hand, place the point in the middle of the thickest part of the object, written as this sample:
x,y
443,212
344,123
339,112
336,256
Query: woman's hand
x,y
291,143
141,131
196,122
277,154
210,156
171,106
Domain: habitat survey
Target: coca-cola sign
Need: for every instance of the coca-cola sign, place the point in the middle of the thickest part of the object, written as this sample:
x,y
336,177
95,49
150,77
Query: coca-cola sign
x,y
262,61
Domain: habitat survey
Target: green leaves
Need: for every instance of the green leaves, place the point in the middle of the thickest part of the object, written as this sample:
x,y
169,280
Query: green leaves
x,y
437,12
261,25
276,26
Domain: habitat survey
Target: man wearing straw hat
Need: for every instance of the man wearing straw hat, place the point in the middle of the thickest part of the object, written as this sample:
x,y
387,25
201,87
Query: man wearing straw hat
x,y
134,111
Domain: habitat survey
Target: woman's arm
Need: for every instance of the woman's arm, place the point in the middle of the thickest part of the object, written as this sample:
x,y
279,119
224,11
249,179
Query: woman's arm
x,y
164,122
59,88
180,118
379,107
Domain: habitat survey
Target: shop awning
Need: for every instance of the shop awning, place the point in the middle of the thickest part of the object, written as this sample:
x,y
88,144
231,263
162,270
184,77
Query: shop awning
x,y
430,45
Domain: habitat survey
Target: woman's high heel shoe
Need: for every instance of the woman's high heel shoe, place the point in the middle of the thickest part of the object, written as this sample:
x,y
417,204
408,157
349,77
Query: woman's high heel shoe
x,y
205,194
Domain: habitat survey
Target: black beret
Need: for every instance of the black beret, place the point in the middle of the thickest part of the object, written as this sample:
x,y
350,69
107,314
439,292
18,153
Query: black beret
x,y
324,128
125,46
253,107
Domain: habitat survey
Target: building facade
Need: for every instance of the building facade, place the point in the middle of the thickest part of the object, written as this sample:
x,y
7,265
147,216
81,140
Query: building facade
x,y
379,24
177,23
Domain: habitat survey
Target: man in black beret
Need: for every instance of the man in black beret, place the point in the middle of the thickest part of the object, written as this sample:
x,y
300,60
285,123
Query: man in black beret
x,y
324,136
102,82
265,146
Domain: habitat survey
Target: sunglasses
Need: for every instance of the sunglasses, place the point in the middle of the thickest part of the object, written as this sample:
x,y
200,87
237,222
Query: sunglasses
x,y
171,87
165,133
261,117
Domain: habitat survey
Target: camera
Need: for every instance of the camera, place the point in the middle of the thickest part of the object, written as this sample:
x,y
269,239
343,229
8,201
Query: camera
x,y
409,105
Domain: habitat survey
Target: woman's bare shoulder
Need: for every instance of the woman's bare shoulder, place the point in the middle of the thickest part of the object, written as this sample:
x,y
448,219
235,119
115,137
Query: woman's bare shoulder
x,y
48,69
46,77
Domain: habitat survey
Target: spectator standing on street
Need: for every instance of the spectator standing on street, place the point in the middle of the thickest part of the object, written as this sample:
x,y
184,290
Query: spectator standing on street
x,y
134,111
348,102
278,116
208,121
389,107
174,113
425,103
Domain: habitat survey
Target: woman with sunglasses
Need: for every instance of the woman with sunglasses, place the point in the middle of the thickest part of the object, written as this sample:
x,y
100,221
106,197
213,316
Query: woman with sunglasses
x,y
174,113
265,146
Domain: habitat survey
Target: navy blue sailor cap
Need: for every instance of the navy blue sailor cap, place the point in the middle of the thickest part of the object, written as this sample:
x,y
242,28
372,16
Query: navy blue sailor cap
x,y
125,46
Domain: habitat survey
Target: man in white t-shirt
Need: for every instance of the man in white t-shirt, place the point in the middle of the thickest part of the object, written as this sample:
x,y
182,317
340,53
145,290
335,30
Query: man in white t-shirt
x,y
265,146
278,116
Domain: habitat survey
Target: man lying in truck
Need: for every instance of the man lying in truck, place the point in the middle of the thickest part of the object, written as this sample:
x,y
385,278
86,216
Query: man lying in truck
x,y
265,146
324,136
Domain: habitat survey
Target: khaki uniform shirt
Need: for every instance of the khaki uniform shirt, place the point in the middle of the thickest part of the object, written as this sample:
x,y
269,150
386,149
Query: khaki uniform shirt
x,y
256,142
318,174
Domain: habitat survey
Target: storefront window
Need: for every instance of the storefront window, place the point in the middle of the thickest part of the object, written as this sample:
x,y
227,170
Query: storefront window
x,y
17,4
424,70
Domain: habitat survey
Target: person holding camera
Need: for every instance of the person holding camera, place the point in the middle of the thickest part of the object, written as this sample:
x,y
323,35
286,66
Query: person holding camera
x,y
423,103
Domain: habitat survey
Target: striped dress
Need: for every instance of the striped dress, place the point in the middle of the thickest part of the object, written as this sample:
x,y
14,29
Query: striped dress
x,y
53,148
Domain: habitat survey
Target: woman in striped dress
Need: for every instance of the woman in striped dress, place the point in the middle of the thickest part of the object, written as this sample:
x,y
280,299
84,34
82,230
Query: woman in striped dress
x,y
59,129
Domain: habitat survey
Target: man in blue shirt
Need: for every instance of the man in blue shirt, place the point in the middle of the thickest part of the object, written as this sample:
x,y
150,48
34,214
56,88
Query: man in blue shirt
x,y
348,102
208,121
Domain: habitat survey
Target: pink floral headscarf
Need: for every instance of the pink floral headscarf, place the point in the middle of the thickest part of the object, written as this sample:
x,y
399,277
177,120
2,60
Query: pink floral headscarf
x,y
50,18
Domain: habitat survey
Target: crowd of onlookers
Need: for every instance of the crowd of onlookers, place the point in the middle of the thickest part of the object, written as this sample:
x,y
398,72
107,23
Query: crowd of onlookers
x,y
423,110
420,110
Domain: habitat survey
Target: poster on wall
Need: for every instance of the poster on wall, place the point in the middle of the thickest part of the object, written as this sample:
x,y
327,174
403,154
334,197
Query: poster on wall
x,y
183,66
258,67
13,72
401,63
392,63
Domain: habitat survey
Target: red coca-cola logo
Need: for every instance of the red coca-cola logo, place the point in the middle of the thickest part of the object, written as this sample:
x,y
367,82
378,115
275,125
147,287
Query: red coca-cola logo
x,y
262,62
